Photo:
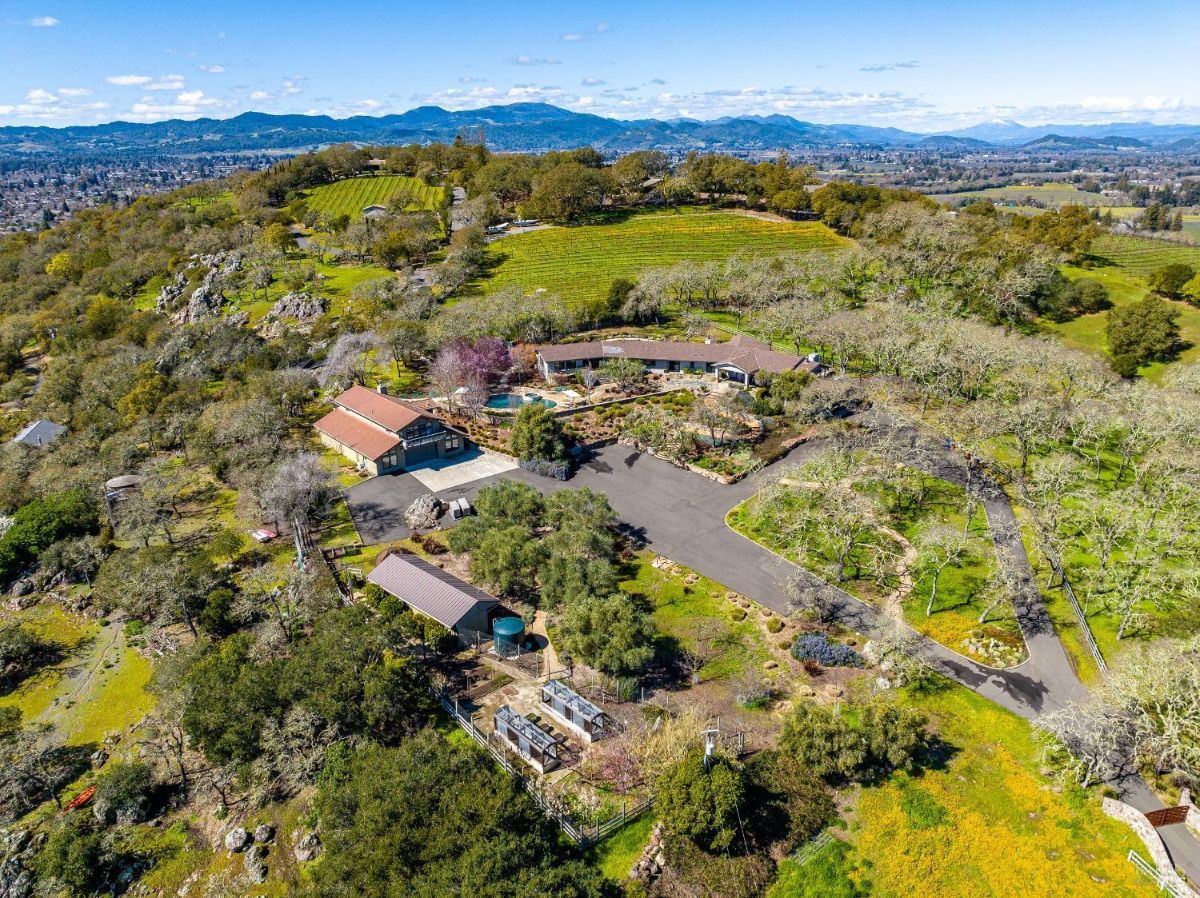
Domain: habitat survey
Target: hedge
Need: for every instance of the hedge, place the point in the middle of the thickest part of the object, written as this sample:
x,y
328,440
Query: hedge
x,y
41,523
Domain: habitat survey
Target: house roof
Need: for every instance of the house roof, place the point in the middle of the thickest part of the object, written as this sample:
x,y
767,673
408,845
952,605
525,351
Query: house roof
x,y
428,589
386,411
40,433
745,352
365,438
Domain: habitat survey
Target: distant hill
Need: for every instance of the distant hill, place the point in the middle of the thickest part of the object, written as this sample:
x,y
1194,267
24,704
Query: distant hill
x,y
1111,142
1007,132
540,126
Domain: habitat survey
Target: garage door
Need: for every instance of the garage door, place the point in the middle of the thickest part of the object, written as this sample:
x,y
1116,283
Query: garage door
x,y
419,454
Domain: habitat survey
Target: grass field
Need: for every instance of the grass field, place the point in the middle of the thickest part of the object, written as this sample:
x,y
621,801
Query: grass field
x,y
985,824
1123,263
579,263
1052,195
352,195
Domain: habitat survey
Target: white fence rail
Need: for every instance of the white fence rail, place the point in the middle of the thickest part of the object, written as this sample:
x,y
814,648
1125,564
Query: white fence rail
x,y
1164,884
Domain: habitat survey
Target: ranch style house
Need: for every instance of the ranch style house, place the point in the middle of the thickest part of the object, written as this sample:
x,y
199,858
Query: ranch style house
x,y
737,360
382,434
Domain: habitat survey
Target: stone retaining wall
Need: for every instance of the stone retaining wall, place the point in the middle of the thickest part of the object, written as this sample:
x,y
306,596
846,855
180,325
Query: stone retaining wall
x,y
1137,821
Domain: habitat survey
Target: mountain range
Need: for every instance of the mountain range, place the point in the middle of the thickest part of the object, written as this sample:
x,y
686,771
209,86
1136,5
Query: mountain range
x,y
541,126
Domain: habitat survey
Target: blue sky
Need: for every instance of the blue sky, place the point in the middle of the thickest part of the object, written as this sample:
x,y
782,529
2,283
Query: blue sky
x,y
918,65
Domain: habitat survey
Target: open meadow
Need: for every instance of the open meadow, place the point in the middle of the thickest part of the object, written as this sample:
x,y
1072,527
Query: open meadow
x,y
983,822
1051,195
579,263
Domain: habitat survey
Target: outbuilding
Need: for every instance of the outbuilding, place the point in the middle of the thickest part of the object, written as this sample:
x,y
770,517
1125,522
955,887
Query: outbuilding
x,y
430,591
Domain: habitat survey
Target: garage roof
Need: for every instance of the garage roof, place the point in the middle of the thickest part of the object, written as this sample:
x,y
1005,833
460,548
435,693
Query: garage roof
x,y
362,436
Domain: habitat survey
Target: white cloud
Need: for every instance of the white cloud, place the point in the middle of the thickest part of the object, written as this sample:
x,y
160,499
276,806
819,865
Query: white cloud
x,y
187,104
260,95
75,91
166,82
891,66
213,69
43,22
294,85
533,60
592,82
40,97
470,79
128,80
572,37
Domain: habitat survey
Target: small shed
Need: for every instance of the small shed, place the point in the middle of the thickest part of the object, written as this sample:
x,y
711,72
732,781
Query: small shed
x,y
536,747
374,211
574,711
38,434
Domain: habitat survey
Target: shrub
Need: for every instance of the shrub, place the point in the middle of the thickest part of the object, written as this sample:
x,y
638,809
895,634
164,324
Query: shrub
x,y
559,470
41,523
815,647
738,614
774,625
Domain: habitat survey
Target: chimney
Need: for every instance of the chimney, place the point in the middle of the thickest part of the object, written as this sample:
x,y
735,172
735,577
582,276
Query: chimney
x,y
382,389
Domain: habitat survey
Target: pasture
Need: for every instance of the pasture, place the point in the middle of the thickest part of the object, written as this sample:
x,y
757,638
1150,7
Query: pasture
x,y
1087,332
579,263
1050,195
352,195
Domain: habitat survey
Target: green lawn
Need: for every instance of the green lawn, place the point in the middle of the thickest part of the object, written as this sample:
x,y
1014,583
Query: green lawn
x,y
617,854
48,621
351,196
579,263
1087,332
681,609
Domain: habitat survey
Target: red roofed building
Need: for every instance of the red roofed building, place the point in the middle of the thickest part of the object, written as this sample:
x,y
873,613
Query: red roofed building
x,y
382,434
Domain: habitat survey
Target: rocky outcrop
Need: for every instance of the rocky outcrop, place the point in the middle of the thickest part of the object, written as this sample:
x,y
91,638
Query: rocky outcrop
x,y
208,299
650,865
264,833
17,849
301,307
256,863
170,293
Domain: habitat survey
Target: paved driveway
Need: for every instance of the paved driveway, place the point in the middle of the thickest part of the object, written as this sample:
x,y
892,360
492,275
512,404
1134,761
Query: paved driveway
x,y
457,470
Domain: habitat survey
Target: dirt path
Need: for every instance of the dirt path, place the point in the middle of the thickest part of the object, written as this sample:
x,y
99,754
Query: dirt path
x,y
108,646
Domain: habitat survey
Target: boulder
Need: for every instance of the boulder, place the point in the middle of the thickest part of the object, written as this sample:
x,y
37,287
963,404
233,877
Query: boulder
x,y
263,833
424,512
255,863
15,880
236,839
307,847
98,758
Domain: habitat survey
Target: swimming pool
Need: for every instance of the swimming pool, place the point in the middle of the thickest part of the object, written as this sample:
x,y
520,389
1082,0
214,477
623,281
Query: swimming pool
x,y
516,400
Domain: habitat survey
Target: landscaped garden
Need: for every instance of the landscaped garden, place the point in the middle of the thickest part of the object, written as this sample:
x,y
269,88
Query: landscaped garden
x,y
898,538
